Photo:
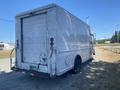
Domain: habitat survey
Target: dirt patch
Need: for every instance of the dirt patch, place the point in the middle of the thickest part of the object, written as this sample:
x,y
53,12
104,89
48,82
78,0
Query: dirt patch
x,y
103,54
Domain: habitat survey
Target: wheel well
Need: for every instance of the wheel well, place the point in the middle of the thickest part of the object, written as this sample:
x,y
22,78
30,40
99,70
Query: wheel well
x,y
77,64
78,57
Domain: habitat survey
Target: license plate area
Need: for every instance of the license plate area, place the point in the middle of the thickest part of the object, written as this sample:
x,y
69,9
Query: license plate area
x,y
33,67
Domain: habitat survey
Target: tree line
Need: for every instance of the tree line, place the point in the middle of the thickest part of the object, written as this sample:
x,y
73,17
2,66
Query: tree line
x,y
116,37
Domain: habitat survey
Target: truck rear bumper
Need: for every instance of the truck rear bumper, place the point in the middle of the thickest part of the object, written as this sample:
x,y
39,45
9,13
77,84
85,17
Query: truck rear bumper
x,y
32,72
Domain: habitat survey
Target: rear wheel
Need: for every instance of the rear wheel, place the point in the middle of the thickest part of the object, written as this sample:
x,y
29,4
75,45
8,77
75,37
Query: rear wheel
x,y
77,65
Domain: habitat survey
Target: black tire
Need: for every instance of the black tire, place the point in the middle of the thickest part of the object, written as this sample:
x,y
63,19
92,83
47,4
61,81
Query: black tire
x,y
77,65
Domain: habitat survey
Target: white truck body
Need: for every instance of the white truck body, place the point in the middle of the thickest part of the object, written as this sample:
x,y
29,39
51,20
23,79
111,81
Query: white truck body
x,y
49,38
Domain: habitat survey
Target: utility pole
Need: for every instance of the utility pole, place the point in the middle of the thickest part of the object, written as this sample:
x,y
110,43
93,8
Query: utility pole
x,y
117,33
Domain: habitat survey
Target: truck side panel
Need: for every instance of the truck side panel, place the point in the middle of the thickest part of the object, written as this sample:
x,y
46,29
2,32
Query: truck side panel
x,y
72,40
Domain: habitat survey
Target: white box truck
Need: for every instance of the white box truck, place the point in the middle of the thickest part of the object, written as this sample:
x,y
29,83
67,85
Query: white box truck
x,y
51,41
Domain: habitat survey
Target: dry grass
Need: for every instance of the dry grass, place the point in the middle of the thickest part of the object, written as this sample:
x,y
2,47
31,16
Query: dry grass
x,y
106,55
6,54
113,47
109,44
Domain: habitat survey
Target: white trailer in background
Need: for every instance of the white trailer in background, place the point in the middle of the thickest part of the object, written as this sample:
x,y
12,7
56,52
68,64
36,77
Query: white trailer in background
x,y
52,41
6,46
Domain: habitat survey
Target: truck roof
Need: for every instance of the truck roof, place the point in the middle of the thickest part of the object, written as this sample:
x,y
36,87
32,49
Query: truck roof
x,y
37,9
45,8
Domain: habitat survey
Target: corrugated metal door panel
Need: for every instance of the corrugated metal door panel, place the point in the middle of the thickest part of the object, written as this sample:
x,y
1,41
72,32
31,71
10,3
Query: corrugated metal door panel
x,y
34,38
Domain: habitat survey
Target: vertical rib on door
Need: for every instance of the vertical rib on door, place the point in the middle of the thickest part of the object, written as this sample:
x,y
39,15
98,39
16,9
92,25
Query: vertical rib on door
x,y
34,38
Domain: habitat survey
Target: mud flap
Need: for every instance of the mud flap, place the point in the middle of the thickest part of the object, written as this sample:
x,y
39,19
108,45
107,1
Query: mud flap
x,y
52,65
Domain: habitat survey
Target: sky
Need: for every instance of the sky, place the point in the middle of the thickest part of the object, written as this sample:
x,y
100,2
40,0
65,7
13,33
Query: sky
x,y
104,15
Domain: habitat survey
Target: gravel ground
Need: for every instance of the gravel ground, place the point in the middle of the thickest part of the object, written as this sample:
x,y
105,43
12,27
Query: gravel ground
x,y
98,75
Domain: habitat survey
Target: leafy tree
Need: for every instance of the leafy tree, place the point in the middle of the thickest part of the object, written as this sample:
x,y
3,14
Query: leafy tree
x,y
116,37
119,36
